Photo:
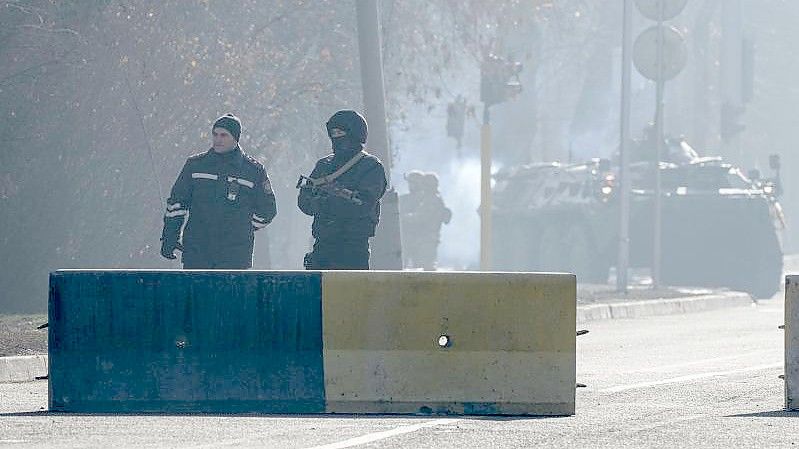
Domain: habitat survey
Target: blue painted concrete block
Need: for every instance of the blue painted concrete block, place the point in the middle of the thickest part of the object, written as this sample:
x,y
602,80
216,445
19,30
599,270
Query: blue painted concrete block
x,y
171,341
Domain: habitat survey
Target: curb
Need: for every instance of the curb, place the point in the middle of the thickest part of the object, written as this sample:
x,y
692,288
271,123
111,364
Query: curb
x,y
634,309
24,368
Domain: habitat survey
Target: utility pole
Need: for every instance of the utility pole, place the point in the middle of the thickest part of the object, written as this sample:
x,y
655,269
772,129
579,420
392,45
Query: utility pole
x,y
499,82
702,73
623,260
387,248
732,104
658,219
485,191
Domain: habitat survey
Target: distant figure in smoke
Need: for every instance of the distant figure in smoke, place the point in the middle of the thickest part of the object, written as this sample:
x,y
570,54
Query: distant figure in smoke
x,y
343,195
222,196
423,212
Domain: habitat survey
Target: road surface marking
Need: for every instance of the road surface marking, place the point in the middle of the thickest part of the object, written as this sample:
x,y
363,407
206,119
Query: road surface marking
x,y
689,378
368,438
776,354
224,443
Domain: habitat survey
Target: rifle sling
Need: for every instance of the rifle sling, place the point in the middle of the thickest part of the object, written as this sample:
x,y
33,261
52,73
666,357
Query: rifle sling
x,y
316,182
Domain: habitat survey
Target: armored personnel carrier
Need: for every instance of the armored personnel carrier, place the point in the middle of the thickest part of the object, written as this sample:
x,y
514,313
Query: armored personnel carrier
x,y
720,227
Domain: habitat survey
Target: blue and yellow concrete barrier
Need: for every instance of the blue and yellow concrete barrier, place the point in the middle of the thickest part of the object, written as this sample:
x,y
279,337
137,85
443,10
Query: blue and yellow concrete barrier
x,y
312,342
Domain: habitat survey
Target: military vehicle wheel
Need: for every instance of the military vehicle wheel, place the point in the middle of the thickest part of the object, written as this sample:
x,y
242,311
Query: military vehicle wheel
x,y
762,274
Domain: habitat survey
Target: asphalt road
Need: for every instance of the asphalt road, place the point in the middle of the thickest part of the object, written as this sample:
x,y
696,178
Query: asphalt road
x,y
697,380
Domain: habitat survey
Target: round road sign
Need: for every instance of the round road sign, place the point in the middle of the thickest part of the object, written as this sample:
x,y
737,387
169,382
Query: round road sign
x,y
649,8
675,53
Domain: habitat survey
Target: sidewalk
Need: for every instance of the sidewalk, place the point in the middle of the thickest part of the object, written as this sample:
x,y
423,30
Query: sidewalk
x,y
602,302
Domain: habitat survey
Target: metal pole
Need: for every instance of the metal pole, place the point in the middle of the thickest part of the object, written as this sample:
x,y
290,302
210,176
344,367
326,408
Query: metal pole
x,y
387,252
730,71
657,225
369,46
701,92
623,259
485,191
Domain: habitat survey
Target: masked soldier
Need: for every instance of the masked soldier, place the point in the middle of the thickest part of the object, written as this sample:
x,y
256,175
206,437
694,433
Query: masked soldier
x,y
221,196
423,212
343,195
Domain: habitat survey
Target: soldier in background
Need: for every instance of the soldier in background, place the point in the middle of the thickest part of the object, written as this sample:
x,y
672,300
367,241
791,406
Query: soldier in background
x,y
423,212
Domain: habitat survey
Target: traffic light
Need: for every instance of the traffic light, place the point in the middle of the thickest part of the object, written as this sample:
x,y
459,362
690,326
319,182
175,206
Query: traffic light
x,y
731,117
456,119
747,70
499,80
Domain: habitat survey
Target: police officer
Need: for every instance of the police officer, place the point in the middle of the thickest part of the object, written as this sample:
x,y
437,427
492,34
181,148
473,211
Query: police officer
x,y
222,196
343,195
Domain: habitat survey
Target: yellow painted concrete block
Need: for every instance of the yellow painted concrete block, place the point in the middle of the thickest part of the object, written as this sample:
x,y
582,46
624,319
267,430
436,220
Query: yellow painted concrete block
x,y
511,342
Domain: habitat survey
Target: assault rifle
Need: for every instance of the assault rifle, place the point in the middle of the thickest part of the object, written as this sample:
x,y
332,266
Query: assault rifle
x,y
328,190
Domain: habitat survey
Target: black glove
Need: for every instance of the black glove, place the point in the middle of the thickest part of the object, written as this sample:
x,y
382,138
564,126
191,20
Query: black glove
x,y
316,198
168,247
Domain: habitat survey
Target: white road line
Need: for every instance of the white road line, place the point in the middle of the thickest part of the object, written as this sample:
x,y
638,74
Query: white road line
x,y
368,438
760,354
226,443
689,378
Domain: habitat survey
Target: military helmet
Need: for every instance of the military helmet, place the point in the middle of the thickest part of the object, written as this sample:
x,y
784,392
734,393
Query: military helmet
x,y
415,179
430,181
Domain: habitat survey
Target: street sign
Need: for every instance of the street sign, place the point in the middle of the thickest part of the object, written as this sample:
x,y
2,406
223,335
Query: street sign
x,y
659,54
645,52
649,8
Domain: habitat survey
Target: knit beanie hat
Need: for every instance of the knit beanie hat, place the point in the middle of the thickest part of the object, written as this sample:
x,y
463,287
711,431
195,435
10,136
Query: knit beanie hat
x,y
231,123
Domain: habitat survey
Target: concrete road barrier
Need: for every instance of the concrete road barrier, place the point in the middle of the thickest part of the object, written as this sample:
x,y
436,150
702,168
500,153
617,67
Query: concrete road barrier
x,y
24,368
507,342
312,342
172,341
792,342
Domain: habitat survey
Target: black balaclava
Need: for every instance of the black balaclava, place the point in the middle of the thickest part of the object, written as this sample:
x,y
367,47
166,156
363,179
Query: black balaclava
x,y
231,123
347,131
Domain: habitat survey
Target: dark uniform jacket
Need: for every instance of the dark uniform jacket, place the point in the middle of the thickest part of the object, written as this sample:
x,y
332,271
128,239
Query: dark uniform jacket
x,y
337,218
223,199
423,213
